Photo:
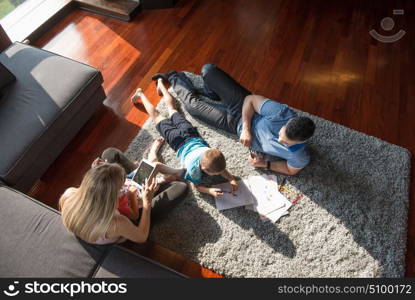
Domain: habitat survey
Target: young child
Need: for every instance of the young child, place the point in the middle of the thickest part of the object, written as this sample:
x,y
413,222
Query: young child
x,y
194,153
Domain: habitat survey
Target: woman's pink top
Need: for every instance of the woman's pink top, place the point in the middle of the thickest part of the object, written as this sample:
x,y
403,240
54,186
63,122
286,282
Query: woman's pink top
x,y
124,207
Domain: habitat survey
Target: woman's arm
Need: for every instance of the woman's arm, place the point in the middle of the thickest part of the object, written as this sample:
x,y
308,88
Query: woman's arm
x,y
134,202
126,229
139,234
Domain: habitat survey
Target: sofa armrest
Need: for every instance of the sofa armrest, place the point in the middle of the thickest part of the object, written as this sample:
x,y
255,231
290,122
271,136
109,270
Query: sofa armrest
x,y
50,101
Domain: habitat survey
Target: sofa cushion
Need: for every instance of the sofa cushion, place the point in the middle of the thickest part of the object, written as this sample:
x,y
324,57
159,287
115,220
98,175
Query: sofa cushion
x,y
6,76
35,243
50,90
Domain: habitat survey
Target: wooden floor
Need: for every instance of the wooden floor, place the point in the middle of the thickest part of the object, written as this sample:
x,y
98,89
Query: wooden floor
x,y
316,56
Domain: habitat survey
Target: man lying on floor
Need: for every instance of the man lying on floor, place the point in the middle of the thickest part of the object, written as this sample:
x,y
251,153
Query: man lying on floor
x,y
262,124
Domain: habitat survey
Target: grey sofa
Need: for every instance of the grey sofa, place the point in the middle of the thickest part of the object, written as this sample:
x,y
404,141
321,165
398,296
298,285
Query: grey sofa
x,y
45,99
35,243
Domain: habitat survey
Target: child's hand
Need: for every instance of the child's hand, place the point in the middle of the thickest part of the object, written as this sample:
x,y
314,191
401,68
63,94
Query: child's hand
x,y
215,192
234,186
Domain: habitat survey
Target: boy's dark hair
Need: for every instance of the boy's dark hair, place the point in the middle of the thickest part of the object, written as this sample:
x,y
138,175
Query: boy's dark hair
x,y
213,161
300,129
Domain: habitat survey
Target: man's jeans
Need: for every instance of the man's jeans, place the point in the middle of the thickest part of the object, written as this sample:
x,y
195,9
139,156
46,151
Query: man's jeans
x,y
226,113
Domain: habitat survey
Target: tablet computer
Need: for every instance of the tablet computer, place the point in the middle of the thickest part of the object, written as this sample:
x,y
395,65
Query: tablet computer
x,y
145,170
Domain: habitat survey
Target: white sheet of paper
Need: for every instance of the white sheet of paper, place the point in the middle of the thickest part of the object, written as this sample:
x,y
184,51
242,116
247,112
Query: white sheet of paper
x,y
257,193
268,199
243,196
276,215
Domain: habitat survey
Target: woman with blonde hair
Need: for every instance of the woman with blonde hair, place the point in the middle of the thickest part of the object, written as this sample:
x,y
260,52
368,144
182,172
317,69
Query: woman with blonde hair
x,y
91,213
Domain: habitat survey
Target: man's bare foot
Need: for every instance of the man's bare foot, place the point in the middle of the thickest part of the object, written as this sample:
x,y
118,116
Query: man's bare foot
x,y
154,149
137,95
162,91
164,76
160,84
162,87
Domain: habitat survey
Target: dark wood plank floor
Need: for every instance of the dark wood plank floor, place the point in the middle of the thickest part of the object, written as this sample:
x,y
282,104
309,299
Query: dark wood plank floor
x,y
316,56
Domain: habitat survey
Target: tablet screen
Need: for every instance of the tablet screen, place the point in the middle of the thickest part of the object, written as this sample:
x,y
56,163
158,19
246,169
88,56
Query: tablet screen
x,y
144,171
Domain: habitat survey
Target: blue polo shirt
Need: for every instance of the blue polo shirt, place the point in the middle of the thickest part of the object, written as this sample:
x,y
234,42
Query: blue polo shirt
x,y
190,154
265,129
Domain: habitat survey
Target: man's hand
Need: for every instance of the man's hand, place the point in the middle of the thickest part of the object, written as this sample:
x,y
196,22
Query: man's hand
x,y
257,162
234,186
245,138
215,192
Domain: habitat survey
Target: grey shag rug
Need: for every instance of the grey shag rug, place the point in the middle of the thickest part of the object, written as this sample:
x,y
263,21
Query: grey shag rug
x,y
351,222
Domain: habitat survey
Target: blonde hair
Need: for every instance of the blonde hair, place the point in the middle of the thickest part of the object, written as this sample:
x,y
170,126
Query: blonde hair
x,y
213,160
89,211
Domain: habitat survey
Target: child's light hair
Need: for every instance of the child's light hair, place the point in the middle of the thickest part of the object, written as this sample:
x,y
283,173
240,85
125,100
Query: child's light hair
x,y
213,161
89,211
